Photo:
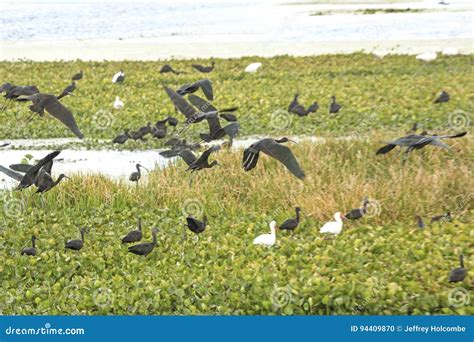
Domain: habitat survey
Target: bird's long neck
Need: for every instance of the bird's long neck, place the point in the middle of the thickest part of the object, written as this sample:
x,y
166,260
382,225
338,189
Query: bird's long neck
x,y
60,178
33,242
140,224
82,235
154,238
297,215
138,169
461,261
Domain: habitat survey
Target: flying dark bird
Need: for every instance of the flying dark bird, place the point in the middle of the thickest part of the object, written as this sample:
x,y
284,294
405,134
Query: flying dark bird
x,y
273,148
68,90
417,141
134,235
13,92
443,97
204,69
31,251
443,217
46,182
119,77
31,175
178,145
78,243
144,248
121,138
228,117
292,223
419,222
356,214
4,144
55,108
135,176
168,68
334,107
195,225
459,273
204,84
196,164
296,108
77,76
182,105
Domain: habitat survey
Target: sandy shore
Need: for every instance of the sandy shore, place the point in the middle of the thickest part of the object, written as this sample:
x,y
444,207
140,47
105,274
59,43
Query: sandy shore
x,y
155,49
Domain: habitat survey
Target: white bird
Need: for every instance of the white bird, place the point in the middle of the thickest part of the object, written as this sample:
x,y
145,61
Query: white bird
x,y
333,227
253,67
450,51
427,56
118,77
267,239
118,104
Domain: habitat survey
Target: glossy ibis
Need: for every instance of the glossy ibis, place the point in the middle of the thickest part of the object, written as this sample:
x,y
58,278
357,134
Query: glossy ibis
x,y
31,175
203,84
267,239
145,129
76,244
443,217
419,222
292,223
134,235
68,90
172,121
168,68
159,130
31,251
274,149
459,273
45,181
121,138
119,77
136,135
443,97
77,76
135,176
228,117
182,105
204,69
333,227
195,225
334,107
144,248
196,164
118,104
253,67
296,108
13,92
356,214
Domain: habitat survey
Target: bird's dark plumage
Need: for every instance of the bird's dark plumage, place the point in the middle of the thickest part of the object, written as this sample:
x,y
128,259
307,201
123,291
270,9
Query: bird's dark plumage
x,y
195,225
458,274
77,76
77,244
31,251
443,97
134,235
31,175
334,107
204,69
144,248
292,223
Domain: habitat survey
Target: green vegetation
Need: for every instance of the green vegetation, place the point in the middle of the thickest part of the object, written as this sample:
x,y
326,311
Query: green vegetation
x,y
382,264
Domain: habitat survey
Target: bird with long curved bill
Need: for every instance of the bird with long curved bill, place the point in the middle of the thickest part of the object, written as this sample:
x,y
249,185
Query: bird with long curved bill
x,y
296,108
274,149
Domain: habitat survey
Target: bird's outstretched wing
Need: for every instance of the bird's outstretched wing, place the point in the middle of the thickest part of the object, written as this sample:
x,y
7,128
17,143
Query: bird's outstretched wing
x,y
284,155
201,104
205,155
63,114
458,135
180,103
23,168
206,87
250,158
10,173
188,156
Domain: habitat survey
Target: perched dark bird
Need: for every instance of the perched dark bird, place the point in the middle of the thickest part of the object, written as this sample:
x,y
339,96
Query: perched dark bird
x,y
419,222
356,214
30,176
203,84
204,69
30,250
121,138
134,235
442,217
78,243
196,164
459,273
136,135
51,104
119,77
443,97
292,223
172,121
68,90
195,225
77,76
334,107
135,176
4,144
145,129
274,149
168,68
159,130
144,248
296,108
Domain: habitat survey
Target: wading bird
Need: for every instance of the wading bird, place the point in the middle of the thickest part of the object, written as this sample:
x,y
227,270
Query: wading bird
x,y
76,244
195,225
135,176
121,138
204,69
253,67
356,214
67,91
334,107
172,121
119,77
134,235
168,68
118,104
77,76
267,239
419,222
31,251
296,108
443,97
204,84
459,273
292,223
333,227
144,248
273,148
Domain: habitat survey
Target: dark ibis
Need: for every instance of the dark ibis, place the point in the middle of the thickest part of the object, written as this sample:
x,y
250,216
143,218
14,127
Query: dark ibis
x,y
356,214
159,130
135,176
296,108
204,69
144,248
136,135
203,84
274,149
119,77
145,129
419,222
134,235
459,273
4,144
78,76
228,117
67,91
31,251
45,181
334,107
196,164
76,244
292,223
31,175
121,138
168,68
13,92
195,225
443,97
443,217
172,121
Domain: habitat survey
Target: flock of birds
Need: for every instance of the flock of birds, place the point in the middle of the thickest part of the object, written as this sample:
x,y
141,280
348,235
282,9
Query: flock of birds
x,y
196,109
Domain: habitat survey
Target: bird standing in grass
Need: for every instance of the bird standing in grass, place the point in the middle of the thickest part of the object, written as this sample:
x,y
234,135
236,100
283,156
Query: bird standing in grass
x,y
195,225
253,67
144,248
118,104
204,69
292,223
296,108
459,273
119,77
135,176
333,227
442,98
442,217
419,222
168,68
334,107
121,138
267,239
77,76
134,235
76,244
356,214
31,251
